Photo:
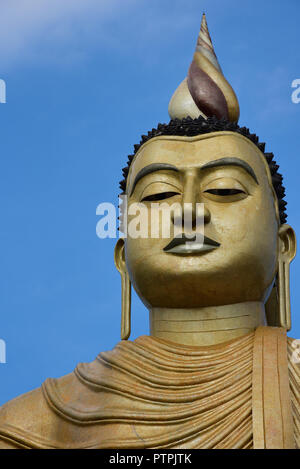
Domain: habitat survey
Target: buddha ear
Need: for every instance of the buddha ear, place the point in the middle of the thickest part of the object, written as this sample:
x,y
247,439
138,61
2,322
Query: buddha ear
x,y
278,307
120,255
287,243
286,253
126,289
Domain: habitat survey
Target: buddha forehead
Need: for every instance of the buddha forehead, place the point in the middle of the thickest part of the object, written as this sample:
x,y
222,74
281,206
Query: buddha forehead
x,y
194,152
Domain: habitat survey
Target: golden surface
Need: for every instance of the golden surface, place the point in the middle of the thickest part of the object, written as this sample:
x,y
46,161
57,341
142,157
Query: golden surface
x,y
211,375
245,228
155,394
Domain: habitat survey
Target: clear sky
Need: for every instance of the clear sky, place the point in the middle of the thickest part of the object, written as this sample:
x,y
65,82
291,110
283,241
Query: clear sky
x,y
85,78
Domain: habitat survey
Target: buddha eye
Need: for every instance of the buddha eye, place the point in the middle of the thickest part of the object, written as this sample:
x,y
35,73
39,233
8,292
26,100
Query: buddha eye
x,y
224,192
161,196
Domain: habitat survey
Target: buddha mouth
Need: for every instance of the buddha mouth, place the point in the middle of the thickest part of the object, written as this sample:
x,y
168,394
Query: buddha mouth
x,y
184,245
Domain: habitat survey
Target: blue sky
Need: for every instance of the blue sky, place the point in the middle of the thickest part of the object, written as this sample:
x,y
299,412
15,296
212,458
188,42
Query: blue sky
x,y
85,79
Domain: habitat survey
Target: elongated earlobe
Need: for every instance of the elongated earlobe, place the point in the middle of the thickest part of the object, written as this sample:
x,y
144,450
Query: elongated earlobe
x,y
278,306
126,290
126,307
284,296
287,252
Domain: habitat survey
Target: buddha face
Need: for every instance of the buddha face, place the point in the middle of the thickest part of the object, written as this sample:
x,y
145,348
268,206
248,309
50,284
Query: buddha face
x,y
228,175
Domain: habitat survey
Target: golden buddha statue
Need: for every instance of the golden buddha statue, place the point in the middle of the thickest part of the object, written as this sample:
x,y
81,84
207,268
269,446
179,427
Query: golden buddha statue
x,y
217,370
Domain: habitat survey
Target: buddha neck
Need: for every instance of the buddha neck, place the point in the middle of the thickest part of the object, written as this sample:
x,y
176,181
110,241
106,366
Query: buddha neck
x,y
206,326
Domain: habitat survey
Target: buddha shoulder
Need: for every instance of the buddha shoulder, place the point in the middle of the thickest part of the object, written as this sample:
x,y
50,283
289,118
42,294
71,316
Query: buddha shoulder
x,y
59,413
31,421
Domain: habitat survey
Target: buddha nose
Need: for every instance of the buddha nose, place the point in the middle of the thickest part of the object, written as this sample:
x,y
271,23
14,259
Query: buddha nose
x,y
193,208
195,213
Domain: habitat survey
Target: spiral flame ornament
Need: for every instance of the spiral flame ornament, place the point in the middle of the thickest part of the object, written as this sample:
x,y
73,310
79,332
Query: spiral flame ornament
x,y
205,92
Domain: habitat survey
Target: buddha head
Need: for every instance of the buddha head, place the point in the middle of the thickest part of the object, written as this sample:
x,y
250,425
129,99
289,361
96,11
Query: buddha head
x,y
203,158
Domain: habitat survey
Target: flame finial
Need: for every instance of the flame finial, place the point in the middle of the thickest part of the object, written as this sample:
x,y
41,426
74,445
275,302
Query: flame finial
x,y
205,92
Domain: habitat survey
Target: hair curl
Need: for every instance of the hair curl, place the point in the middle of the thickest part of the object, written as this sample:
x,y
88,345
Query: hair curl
x,y
189,127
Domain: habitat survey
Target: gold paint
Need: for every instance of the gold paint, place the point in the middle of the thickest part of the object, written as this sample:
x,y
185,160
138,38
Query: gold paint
x,y
206,326
273,426
187,397
126,290
234,273
210,375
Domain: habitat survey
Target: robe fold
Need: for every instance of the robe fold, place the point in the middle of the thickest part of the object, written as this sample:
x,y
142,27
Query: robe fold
x,y
151,393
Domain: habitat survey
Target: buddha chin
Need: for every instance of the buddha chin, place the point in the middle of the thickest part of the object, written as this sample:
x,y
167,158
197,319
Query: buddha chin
x,y
202,281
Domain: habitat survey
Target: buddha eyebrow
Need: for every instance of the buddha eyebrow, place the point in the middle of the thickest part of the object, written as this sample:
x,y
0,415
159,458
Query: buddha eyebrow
x,y
151,168
231,162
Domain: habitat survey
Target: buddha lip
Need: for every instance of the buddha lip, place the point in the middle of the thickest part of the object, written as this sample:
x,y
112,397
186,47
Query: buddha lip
x,y
183,240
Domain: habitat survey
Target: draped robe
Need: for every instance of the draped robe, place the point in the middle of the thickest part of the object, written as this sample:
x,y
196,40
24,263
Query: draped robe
x,y
152,393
